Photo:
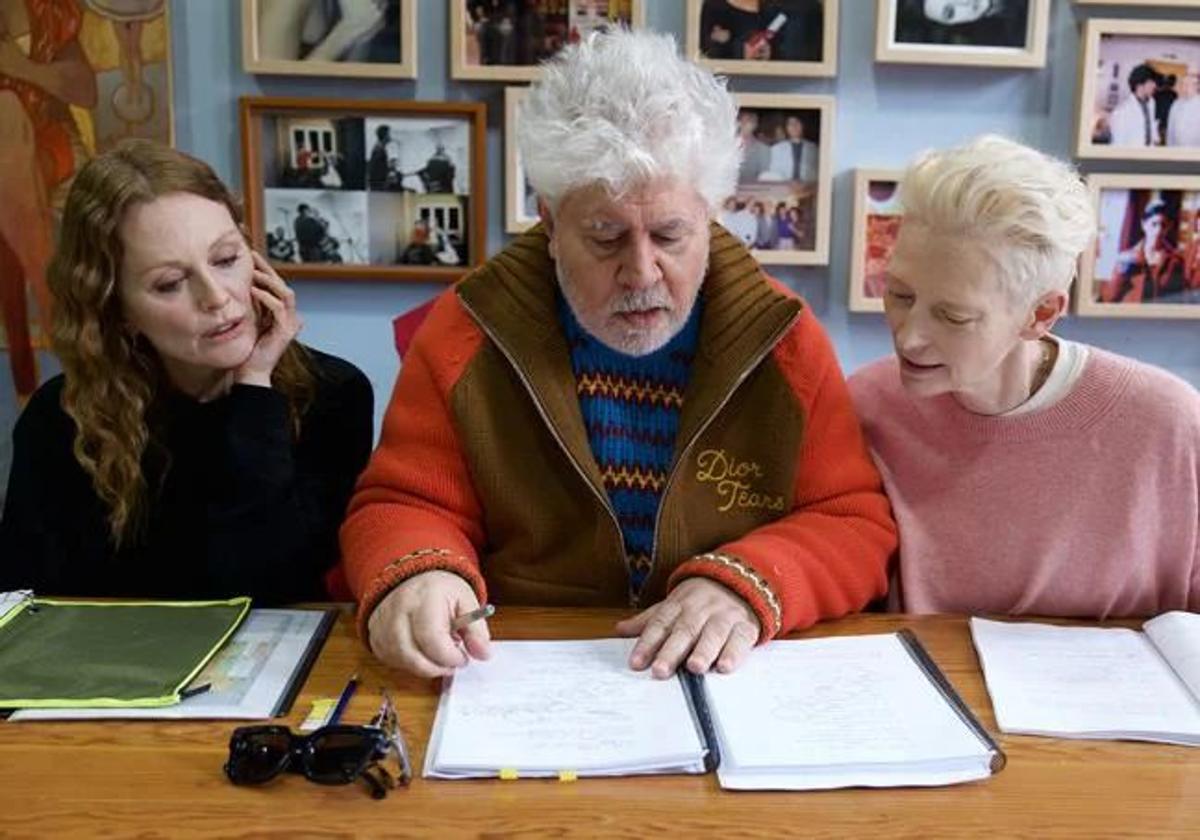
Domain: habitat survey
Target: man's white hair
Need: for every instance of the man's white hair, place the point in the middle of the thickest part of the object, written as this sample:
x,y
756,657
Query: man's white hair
x,y
1031,212
623,108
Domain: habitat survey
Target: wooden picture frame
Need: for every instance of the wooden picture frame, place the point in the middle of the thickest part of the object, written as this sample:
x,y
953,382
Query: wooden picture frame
x,y
397,189
927,44
824,64
396,30
1114,280
1110,122
466,57
518,215
873,237
803,194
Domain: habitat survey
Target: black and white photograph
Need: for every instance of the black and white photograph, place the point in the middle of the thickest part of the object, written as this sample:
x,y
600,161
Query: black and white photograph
x,y
330,37
388,190
316,226
981,32
780,208
418,155
1141,91
506,40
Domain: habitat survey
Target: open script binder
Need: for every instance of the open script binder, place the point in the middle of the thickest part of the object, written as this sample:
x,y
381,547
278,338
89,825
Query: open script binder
x,y
1095,682
839,712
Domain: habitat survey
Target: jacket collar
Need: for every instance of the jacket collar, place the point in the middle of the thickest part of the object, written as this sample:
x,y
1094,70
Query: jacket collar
x,y
512,297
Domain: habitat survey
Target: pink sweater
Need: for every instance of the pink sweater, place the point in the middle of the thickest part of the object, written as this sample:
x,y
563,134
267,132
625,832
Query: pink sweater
x,y
1087,508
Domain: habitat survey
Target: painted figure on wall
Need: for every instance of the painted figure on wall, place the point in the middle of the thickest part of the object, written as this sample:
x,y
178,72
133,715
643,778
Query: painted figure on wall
x,y
75,77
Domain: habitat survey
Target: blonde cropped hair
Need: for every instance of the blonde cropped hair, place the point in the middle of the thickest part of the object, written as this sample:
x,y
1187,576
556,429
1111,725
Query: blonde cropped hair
x,y
1031,212
622,108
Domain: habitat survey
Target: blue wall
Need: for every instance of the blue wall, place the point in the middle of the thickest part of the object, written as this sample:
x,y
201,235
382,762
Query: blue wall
x,y
885,114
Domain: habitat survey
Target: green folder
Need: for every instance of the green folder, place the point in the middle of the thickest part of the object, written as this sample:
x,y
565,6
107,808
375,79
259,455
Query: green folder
x,y
56,653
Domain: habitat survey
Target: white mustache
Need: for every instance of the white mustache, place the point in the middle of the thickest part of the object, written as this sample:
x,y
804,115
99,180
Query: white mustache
x,y
640,301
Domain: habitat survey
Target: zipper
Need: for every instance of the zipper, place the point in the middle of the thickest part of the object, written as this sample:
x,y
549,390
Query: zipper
x,y
754,362
602,498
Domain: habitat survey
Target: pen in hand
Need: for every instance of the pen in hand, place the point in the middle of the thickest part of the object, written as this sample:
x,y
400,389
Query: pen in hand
x,y
461,621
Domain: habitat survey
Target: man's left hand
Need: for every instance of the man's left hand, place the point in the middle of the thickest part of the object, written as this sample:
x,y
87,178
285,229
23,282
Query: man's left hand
x,y
701,622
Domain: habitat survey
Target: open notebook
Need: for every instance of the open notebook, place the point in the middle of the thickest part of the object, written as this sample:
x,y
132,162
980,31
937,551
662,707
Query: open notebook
x,y
823,713
1095,682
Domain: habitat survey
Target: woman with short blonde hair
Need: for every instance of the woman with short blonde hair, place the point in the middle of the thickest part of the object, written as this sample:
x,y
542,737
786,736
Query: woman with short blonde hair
x,y
1028,474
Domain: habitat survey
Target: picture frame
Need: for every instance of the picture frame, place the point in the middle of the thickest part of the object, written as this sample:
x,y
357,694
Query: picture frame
x,y
1141,4
1120,276
383,190
1015,35
815,56
1139,91
876,224
486,50
274,37
520,205
781,208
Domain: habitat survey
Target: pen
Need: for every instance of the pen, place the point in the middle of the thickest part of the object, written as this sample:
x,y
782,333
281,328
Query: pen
x,y
343,701
486,611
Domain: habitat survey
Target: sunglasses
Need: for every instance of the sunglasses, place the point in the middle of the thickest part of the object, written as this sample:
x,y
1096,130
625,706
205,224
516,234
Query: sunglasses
x,y
332,755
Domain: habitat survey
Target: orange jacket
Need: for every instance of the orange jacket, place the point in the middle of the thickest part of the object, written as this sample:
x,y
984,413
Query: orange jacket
x,y
484,467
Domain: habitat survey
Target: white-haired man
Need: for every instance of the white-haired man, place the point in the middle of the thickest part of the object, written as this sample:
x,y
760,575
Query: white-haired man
x,y
619,409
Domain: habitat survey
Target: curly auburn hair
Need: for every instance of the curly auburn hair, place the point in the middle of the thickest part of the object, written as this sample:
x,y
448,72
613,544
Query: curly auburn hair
x,y
114,379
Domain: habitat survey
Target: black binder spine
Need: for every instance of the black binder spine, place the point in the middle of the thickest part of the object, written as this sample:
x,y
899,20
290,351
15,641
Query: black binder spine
x,y
921,656
305,664
693,690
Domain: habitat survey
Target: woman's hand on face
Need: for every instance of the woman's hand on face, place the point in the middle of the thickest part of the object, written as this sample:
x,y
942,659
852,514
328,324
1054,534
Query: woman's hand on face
x,y
277,323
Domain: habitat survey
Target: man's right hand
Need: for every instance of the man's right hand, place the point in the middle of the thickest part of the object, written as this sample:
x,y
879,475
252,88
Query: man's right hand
x,y
410,627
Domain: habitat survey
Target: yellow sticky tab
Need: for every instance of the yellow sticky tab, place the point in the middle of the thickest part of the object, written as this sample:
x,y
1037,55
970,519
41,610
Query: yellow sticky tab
x,y
322,708
509,774
567,775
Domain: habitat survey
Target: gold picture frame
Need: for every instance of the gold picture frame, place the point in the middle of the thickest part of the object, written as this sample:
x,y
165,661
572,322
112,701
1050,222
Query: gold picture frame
x,y
466,57
871,244
825,65
1119,277
890,48
286,38
779,174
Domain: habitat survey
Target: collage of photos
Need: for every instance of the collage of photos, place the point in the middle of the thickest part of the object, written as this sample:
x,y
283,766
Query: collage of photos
x,y
771,37
1149,248
877,216
507,39
378,191
330,37
777,209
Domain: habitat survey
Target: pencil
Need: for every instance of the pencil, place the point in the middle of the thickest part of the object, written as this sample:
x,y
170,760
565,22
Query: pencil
x,y
486,611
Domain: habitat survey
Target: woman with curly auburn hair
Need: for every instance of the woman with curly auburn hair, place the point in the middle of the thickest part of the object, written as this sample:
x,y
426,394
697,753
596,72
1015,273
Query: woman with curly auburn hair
x,y
192,447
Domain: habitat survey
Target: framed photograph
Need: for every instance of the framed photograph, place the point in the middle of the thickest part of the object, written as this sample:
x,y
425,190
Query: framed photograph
x,y
797,38
1146,261
366,190
999,33
781,207
505,40
1141,4
1139,98
77,78
367,38
520,201
876,225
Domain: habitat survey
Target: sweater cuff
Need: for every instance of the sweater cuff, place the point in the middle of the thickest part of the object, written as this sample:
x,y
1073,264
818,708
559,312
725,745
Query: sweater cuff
x,y
410,565
744,580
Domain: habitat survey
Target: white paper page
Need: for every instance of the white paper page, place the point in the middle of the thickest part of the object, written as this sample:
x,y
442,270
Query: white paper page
x,y
1080,681
831,703
248,675
562,706
1177,636
12,600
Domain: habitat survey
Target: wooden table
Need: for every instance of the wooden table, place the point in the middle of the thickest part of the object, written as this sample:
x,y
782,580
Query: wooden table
x,y
164,779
